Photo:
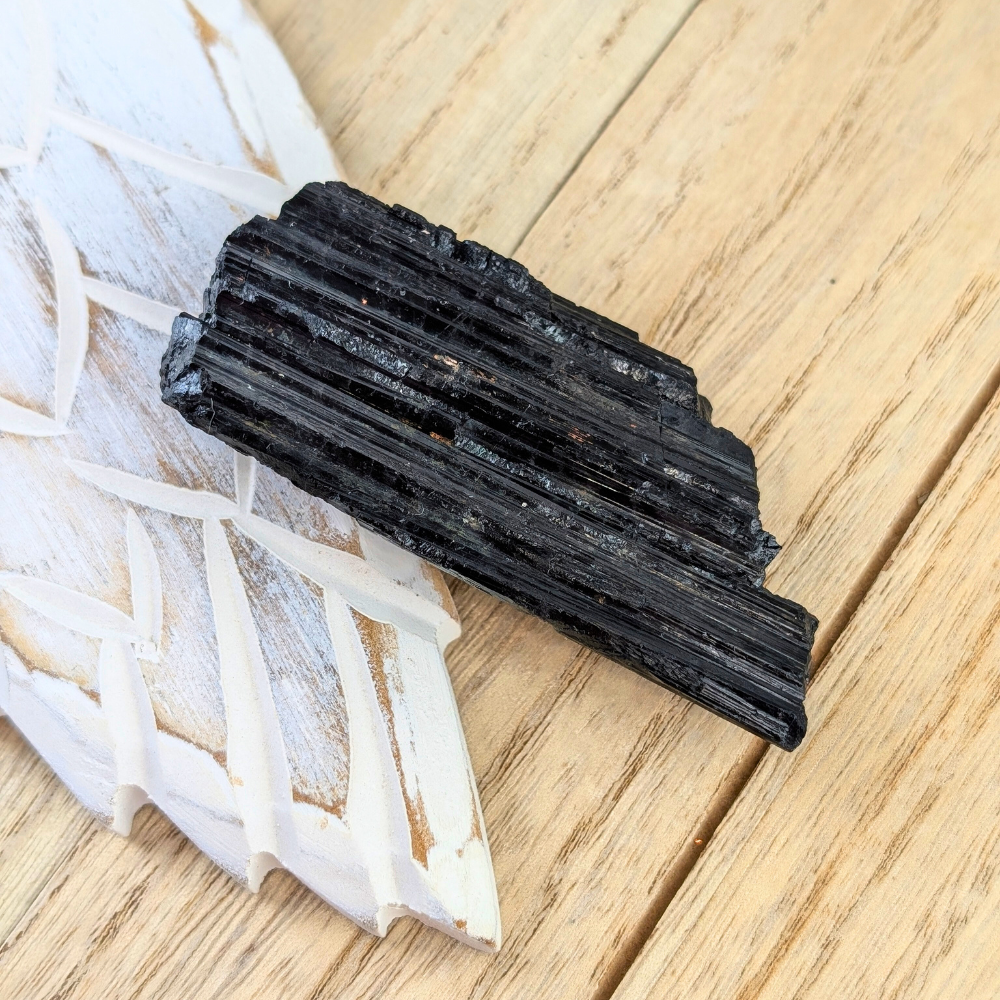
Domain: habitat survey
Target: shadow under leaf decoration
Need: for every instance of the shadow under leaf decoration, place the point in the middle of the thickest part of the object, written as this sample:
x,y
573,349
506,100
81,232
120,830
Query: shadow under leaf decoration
x,y
122,167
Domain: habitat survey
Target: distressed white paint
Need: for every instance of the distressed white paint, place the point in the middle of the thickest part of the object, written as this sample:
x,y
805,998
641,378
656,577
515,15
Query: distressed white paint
x,y
178,626
363,586
76,611
255,190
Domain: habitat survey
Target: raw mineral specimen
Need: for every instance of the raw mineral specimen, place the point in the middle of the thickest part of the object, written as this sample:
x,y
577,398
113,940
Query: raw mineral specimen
x,y
442,396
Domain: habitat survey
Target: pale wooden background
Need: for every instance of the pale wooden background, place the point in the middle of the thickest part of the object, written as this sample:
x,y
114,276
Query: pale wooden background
x,y
801,198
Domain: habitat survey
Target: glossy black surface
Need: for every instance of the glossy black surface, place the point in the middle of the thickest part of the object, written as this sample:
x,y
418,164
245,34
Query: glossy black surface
x,y
448,400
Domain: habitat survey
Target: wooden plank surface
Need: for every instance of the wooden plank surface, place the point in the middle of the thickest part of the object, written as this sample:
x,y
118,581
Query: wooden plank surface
x,y
31,846
470,112
797,199
868,864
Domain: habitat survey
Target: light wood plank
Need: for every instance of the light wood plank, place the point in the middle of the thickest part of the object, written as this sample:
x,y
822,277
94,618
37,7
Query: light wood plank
x,y
592,780
469,112
868,864
40,826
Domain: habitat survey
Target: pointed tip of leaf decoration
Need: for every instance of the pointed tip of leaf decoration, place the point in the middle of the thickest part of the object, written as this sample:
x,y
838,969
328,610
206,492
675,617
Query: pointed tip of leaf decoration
x,y
127,801
487,938
258,865
156,315
71,304
365,587
296,141
255,749
147,589
70,608
16,419
12,156
160,496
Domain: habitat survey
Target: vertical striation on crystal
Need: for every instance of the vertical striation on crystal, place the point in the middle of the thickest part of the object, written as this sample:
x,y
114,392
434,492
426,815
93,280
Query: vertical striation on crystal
x,y
445,398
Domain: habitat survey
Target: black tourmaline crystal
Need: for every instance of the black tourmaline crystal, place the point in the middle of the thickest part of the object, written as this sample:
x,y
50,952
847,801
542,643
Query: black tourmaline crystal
x,y
448,400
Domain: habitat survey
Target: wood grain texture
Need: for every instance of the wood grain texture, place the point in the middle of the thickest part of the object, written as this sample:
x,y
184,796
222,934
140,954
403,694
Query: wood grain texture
x,y
40,826
769,150
469,113
868,864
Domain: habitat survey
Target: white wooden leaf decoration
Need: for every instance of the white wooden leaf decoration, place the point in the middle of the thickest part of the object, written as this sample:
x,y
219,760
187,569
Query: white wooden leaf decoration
x,y
178,626
16,419
71,306
147,589
255,751
170,499
75,611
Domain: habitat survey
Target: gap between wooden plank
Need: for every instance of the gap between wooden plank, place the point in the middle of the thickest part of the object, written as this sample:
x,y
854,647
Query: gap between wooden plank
x,y
581,156
744,771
